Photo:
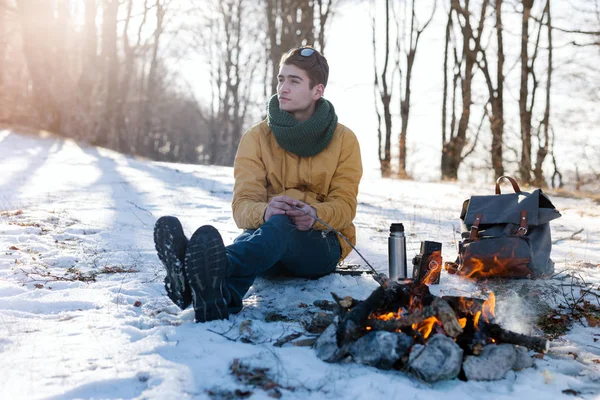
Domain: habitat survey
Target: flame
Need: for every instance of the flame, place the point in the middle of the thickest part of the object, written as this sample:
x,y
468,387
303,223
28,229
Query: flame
x,y
425,327
476,319
435,267
390,315
488,308
387,317
462,322
467,306
505,263
369,328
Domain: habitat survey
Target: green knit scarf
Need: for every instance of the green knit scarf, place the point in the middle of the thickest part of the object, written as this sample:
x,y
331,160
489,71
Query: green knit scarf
x,y
306,138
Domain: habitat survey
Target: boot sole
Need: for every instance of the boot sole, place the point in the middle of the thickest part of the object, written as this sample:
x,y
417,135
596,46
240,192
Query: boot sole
x,y
164,242
206,268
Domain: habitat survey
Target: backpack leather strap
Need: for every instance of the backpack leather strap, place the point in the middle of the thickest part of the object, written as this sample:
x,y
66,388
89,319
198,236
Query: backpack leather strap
x,y
522,224
475,228
514,184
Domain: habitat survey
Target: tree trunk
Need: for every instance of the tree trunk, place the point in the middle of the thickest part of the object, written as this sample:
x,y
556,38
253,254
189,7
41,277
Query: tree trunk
x,y
125,142
386,97
452,150
84,121
3,46
525,113
497,100
415,34
445,89
275,49
105,135
405,102
37,24
543,144
325,8
151,82
290,23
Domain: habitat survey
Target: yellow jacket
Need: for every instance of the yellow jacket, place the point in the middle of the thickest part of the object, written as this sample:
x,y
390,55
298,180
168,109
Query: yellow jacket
x,y
327,181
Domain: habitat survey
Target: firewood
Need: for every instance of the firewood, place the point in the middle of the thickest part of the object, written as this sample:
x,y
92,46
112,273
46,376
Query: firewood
x,y
502,335
448,317
465,305
352,322
345,303
438,308
325,305
319,322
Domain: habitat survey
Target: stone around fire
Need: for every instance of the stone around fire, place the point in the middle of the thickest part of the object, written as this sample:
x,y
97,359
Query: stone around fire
x,y
326,345
440,359
381,349
495,361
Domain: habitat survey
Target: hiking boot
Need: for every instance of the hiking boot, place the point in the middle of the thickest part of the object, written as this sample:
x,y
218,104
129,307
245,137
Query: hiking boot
x,y
206,266
170,243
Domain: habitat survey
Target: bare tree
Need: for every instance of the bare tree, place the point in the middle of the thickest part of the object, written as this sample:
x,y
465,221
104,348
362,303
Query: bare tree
x,y
230,46
406,78
528,90
454,141
293,23
290,23
525,113
543,131
3,38
324,13
384,92
37,24
106,135
496,94
87,78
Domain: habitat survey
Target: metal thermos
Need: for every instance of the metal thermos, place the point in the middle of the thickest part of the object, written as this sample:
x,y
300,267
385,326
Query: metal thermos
x,y
397,252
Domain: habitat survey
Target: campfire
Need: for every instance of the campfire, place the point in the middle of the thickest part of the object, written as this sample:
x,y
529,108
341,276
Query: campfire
x,y
401,325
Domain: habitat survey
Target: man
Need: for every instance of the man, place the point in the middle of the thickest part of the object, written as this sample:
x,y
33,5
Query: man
x,y
297,165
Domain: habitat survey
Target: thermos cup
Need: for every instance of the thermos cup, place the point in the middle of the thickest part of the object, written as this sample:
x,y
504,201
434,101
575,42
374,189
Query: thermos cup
x,y
397,268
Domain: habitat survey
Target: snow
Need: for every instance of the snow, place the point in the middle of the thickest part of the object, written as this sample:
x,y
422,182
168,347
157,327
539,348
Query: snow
x,y
69,211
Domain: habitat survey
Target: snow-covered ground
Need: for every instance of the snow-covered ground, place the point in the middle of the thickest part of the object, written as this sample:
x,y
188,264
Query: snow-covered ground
x,y
83,312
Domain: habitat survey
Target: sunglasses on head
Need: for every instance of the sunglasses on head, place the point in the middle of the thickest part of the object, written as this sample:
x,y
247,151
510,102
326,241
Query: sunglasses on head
x,y
306,51
309,51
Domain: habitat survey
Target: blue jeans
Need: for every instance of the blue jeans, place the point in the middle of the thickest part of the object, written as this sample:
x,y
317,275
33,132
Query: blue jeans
x,y
277,248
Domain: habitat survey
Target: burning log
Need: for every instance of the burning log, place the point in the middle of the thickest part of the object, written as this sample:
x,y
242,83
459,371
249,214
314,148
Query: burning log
x,y
464,305
500,334
353,322
438,308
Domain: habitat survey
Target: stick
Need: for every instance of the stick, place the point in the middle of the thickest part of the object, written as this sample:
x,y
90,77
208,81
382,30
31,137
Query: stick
x,y
568,237
379,278
281,341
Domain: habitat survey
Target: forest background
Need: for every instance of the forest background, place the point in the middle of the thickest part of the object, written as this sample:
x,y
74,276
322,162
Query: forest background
x,y
436,89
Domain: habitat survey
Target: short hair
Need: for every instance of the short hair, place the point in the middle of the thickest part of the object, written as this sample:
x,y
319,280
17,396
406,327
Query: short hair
x,y
314,64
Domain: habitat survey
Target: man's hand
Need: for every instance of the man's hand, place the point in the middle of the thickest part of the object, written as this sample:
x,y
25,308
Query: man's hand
x,y
302,218
279,205
284,205
303,221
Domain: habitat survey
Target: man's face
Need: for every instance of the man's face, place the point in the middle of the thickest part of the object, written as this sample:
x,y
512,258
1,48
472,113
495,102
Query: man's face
x,y
293,91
